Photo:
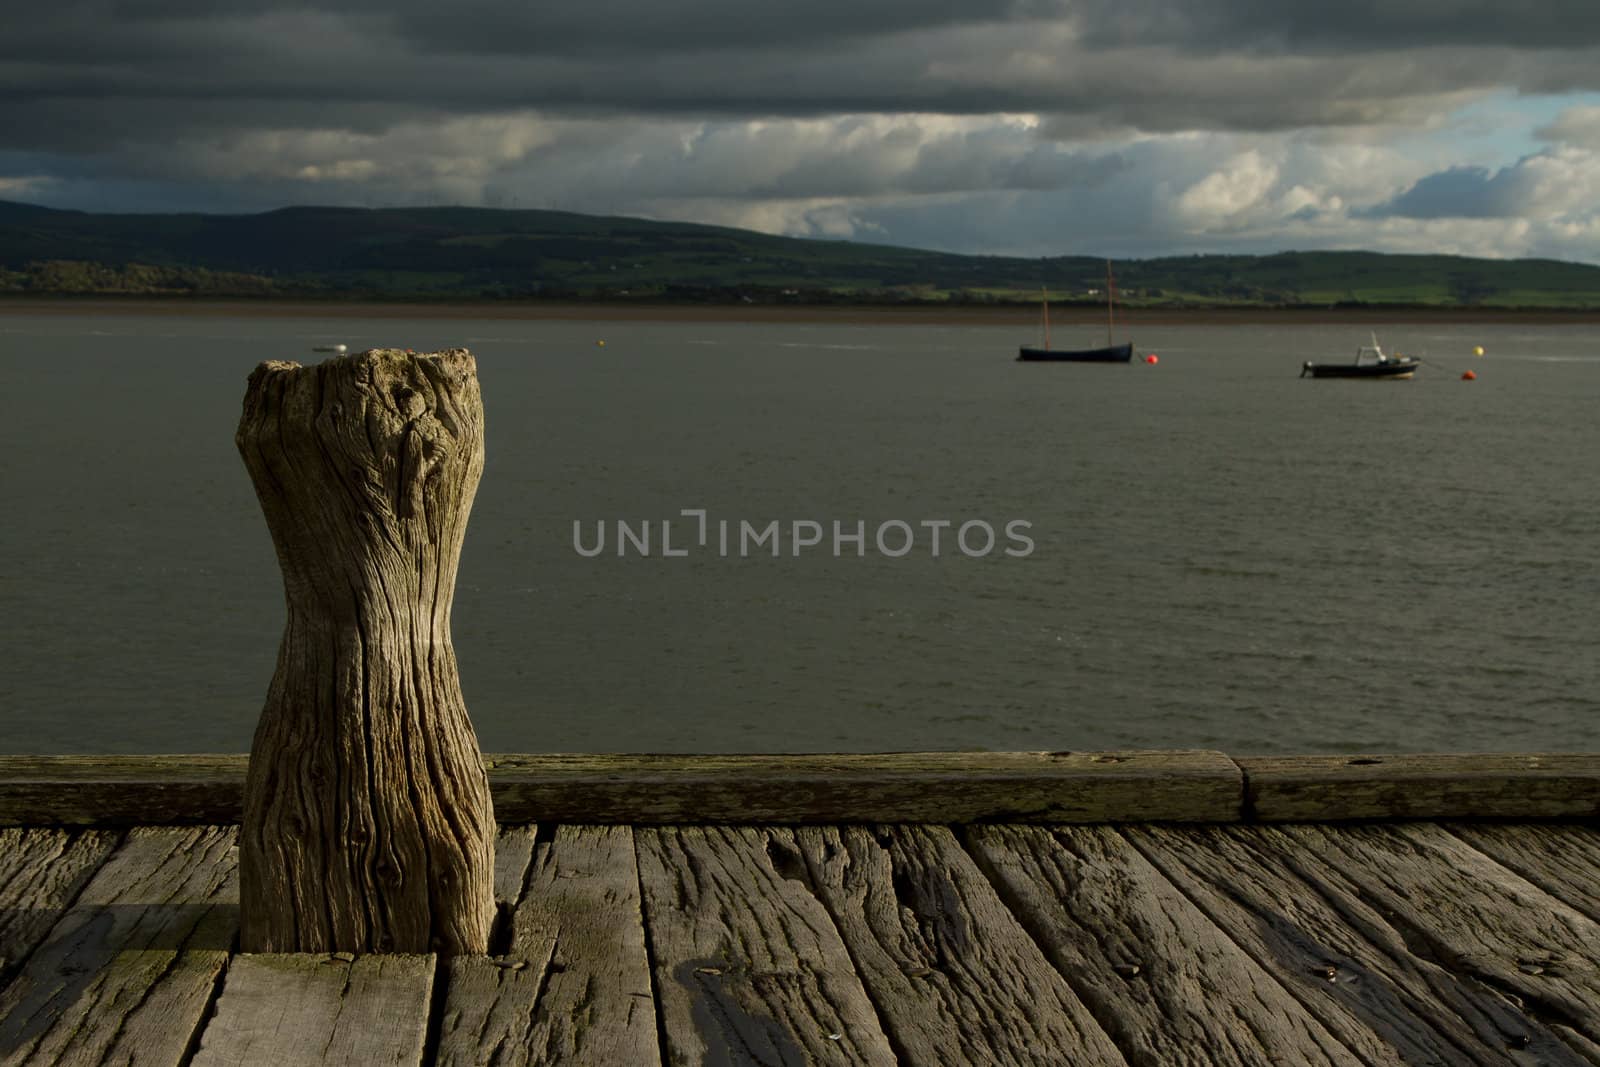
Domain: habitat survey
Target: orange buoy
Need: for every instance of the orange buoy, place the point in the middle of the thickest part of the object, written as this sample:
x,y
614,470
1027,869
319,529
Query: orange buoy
x,y
1470,376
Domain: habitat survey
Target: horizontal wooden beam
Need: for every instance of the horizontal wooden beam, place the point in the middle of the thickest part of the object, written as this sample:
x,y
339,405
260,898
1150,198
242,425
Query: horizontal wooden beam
x,y
940,787
121,790
1450,786
934,787
937,787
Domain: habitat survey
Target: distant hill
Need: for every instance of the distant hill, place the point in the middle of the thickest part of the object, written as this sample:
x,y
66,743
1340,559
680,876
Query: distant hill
x,y
455,253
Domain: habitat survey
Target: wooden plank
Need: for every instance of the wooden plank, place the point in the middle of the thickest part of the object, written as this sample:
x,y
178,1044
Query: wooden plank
x,y
1589,1050
1562,859
1460,908
513,854
933,787
955,978
41,872
748,966
1340,957
121,790
1193,786
308,1008
930,787
1459,786
130,969
470,993
1164,982
574,985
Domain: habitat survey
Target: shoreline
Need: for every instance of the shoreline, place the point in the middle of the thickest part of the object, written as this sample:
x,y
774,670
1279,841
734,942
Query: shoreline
x,y
933,315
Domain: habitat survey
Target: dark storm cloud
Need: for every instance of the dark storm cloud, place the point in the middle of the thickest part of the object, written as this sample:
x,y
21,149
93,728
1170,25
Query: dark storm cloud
x,y
1313,26
163,70
82,35
160,69
608,27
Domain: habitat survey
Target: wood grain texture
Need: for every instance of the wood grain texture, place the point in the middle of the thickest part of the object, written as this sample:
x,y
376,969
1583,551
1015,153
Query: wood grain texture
x,y
748,966
120,791
129,971
305,1009
1563,860
1339,956
955,978
1466,944
513,853
472,983
1460,908
1450,786
939,787
41,872
1589,1050
1160,977
931,787
367,822
574,985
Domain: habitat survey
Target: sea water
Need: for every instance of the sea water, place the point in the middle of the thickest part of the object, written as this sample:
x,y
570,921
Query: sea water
x,y
1220,554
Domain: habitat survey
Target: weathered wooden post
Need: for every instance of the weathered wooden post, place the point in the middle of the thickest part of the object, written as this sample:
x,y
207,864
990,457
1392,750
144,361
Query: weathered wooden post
x,y
367,819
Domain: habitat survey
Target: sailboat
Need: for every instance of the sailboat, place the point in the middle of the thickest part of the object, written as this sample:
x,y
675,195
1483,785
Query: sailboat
x,y
1111,353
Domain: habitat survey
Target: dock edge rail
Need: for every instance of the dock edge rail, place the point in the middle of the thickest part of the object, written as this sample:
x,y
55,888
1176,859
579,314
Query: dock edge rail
x,y
905,787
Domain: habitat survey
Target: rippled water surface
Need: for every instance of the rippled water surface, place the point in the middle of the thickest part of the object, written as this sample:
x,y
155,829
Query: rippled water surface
x,y
1225,555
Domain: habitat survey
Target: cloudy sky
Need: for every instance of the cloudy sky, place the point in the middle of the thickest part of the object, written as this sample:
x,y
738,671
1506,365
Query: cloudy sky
x,y
1027,127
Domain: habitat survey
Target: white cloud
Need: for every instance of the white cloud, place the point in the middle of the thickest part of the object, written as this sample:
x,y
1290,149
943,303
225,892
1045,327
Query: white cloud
x,y
1227,197
1562,183
1578,126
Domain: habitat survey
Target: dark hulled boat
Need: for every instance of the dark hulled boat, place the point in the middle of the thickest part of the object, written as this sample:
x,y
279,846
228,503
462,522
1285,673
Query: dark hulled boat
x,y
1111,353
1371,362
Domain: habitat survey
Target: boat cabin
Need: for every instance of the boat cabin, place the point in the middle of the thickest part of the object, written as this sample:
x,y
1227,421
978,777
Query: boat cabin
x,y
1371,354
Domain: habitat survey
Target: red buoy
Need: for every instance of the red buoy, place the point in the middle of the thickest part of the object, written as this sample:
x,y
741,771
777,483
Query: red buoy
x,y
1152,358
1470,376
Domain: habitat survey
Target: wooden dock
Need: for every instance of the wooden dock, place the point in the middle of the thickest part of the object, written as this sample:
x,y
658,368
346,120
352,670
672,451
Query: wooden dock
x,y
1019,908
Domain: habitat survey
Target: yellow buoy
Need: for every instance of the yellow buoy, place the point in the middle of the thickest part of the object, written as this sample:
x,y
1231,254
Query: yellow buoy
x,y
1478,350
600,344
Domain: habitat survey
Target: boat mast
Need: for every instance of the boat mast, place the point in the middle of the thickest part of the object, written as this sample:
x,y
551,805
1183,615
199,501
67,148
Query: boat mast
x,y
1044,305
1111,301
